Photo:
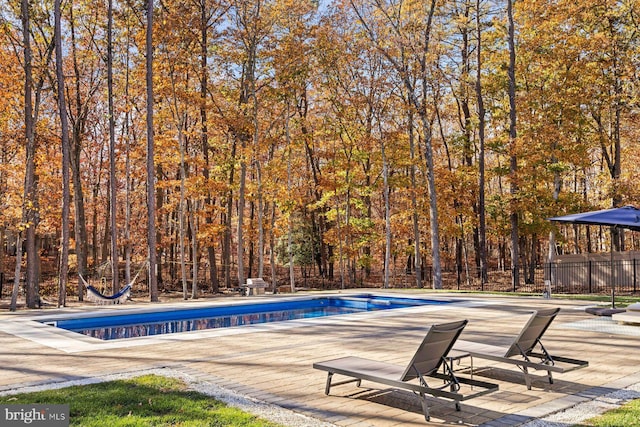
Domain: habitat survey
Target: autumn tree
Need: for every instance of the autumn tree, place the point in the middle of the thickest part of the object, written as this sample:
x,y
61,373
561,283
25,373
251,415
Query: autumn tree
x,y
151,202
11,134
64,127
33,91
411,33
615,43
364,134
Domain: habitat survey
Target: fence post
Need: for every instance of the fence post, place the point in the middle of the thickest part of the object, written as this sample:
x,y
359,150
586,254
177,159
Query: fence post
x,y
589,274
634,275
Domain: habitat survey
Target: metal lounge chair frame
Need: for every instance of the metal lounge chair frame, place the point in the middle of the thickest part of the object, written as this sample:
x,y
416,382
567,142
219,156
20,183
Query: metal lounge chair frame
x,y
426,362
522,351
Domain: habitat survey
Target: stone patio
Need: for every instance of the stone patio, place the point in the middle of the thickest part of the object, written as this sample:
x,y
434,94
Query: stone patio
x,y
273,362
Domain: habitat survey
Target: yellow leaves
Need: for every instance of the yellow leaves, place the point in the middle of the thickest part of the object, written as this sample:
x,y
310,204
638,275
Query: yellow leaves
x,y
310,114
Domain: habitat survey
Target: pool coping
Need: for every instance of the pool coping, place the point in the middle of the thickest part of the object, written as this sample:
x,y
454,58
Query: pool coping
x,y
30,326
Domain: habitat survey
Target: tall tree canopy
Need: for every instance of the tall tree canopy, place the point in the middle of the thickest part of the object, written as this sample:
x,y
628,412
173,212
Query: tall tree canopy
x,y
352,139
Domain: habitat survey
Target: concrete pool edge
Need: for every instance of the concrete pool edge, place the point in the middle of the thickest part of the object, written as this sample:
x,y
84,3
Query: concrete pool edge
x,y
29,326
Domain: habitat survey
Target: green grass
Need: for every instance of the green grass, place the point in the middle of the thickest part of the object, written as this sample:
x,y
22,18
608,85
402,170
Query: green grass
x,y
153,400
627,415
144,401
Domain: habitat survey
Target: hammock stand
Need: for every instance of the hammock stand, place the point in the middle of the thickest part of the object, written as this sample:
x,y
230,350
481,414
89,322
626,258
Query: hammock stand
x,y
123,295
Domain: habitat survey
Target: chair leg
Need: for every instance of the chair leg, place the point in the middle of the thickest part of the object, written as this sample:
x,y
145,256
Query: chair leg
x,y
527,378
327,387
425,407
550,376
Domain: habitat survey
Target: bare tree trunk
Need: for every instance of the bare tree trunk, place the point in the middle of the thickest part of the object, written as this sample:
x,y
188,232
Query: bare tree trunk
x,y
194,249
171,231
151,203
181,211
66,194
30,202
260,223
248,91
240,223
513,166
80,226
557,187
387,217
272,245
104,251
112,154
226,244
292,280
414,206
251,255
433,205
482,222
16,273
204,136
161,195
94,220
204,139
128,186
428,150
468,146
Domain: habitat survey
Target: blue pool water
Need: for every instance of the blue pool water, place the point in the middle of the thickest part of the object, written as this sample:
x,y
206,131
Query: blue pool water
x,y
117,326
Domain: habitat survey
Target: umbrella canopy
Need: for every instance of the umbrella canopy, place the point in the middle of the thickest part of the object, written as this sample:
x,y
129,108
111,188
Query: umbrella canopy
x,y
625,217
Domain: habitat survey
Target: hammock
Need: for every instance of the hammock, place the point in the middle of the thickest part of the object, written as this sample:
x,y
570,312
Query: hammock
x,y
96,296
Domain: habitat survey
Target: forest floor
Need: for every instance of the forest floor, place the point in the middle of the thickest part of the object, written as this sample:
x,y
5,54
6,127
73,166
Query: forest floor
x,y
171,290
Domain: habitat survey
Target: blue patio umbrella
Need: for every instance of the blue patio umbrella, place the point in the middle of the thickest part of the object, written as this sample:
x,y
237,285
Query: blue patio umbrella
x,y
625,217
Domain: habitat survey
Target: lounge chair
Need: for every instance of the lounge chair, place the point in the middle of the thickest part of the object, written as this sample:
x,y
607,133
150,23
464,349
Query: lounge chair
x,y
522,352
426,362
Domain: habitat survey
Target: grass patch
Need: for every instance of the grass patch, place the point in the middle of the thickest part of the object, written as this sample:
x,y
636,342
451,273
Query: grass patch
x,y
627,415
149,400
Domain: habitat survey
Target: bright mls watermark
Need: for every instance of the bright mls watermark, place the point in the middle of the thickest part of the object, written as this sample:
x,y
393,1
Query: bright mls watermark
x,y
34,415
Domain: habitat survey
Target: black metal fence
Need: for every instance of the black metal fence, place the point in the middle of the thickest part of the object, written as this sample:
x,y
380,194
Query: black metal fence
x,y
593,277
589,277
468,279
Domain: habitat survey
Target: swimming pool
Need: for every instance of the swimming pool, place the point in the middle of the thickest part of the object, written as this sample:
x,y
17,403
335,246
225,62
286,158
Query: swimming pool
x,y
131,325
